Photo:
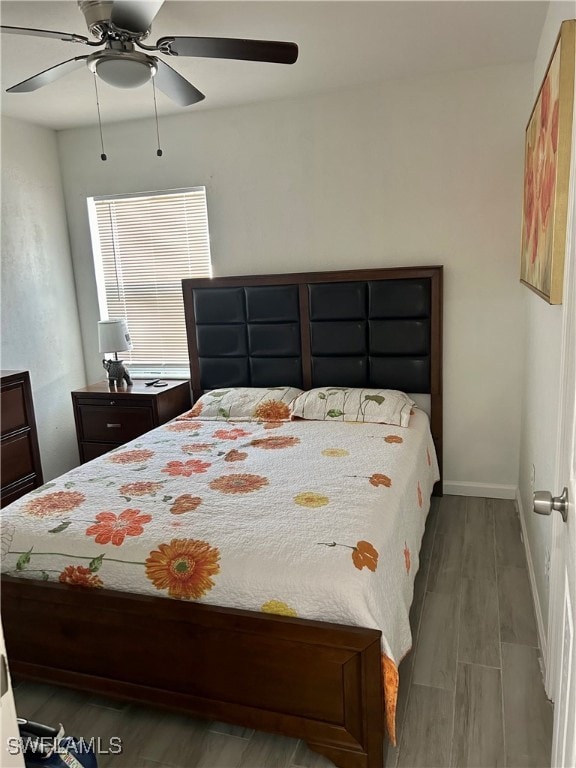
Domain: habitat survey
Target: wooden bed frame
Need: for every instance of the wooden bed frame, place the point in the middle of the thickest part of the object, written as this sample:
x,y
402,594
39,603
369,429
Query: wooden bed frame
x,y
312,680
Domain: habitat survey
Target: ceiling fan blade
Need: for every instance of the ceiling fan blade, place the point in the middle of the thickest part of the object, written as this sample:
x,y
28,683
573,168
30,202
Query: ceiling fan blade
x,y
175,86
135,15
48,75
68,37
230,48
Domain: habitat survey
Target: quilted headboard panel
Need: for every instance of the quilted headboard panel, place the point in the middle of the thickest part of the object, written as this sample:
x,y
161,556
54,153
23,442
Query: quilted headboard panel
x,y
371,334
356,328
248,336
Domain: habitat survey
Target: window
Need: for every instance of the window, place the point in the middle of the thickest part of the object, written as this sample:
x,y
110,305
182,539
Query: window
x,y
143,245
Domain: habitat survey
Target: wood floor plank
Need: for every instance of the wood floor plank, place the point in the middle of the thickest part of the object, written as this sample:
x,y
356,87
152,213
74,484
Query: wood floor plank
x,y
418,601
427,729
29,697
220,750
266,750
517,622
137,727
306,758
435,662
451,512
446,563
100,724
508,533
63,706
479,635
429,531
231,730
447,550
479,559
527,711
406,672
175,739
478,739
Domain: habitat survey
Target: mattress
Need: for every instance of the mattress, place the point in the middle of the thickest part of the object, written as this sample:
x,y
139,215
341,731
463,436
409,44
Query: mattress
x,y
301,518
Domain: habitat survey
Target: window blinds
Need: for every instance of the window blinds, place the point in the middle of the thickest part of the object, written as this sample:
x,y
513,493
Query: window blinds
x,y
143,246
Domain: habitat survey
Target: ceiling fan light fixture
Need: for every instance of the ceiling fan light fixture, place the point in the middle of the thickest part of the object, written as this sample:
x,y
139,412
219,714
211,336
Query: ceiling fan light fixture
x,y
122,69
125,73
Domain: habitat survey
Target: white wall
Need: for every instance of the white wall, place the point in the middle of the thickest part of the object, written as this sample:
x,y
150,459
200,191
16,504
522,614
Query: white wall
x,y
540,394
423,171
40,327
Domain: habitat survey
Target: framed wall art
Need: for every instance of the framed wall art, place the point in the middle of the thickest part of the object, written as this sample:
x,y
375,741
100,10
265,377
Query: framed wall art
x,y
547,173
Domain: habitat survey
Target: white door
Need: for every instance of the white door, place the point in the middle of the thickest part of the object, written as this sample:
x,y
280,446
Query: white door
x,y
10,756
561,662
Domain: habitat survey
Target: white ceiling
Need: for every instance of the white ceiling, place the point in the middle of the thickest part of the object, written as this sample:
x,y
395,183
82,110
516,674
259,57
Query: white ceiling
x,y
342,44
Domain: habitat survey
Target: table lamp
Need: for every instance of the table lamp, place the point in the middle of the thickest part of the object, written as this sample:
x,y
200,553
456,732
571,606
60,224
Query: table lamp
x,y
113,336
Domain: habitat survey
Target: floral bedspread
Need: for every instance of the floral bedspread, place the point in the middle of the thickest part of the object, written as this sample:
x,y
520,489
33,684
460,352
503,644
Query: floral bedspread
x,y
302,518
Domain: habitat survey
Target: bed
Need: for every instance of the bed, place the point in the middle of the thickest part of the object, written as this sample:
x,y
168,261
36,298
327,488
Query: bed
x,y
277,671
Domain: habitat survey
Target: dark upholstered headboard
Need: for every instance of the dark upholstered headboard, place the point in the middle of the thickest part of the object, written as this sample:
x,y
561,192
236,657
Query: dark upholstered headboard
x,y
355,328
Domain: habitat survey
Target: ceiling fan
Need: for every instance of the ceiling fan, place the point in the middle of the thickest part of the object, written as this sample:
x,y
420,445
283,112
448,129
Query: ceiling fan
x,y
120,26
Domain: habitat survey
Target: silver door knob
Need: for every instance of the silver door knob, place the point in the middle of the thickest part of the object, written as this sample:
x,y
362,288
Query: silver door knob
x,y
544,503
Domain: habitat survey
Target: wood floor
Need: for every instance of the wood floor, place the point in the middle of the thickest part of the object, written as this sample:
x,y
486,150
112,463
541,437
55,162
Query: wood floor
x,y
471,692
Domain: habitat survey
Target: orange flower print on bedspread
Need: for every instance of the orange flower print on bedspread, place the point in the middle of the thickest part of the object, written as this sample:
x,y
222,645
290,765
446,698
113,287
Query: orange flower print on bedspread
x,y
235,455
183,426
113,529
185,503
140,489
406,557
184,567
131,457
393,439
378,479
275,442
54,503
272,410
198,447
420,500
231,434
364,554
238,483
186,468
80,576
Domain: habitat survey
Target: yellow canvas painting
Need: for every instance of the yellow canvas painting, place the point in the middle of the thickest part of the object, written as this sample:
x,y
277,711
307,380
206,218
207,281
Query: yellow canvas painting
x,y
547,171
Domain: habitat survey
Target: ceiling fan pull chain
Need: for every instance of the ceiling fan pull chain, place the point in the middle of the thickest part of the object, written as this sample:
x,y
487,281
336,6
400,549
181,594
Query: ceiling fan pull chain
x,y
158,151
103,155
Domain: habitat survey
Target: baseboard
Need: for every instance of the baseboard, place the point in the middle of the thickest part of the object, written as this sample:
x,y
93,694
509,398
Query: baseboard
x,y
483,490
535,598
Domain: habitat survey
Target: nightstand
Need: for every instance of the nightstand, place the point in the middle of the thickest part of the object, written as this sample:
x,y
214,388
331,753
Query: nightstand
x,y
108,417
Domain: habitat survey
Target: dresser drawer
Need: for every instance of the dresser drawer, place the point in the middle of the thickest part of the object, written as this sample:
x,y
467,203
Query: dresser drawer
x,y
114,424
13,414
17,459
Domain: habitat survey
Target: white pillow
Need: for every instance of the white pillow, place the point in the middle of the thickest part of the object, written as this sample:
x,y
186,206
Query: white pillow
x,y
384,406
245,404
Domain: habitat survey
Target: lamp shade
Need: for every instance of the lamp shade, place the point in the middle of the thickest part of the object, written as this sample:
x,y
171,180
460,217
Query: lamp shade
x,y
113,336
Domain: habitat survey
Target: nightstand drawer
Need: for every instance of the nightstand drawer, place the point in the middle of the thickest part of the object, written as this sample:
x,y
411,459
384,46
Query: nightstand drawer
x,y
113,424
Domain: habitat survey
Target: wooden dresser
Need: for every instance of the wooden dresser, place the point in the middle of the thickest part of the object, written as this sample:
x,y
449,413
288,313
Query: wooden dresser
x,y
20,468
107,417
